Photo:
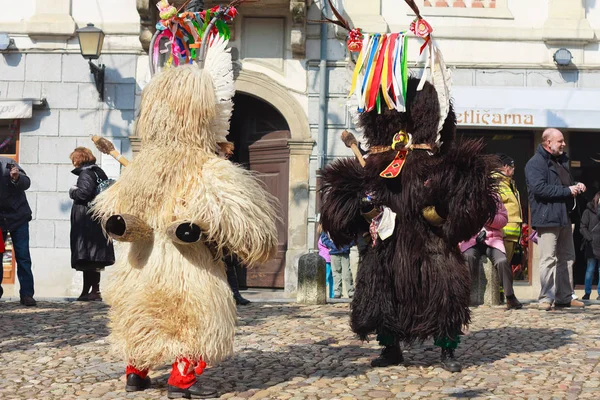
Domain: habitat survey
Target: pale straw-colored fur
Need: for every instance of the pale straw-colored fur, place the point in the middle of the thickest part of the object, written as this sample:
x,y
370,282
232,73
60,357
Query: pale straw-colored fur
x,y
167,299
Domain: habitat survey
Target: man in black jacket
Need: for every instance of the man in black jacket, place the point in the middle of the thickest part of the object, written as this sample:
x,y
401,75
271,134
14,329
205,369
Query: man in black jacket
x,y
15,215
552,195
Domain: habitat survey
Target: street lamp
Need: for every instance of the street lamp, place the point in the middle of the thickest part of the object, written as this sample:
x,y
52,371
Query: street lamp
x,y
90,43
562,57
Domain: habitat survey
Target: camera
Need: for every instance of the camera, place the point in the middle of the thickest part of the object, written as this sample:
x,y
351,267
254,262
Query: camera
x,y
10,166
481,236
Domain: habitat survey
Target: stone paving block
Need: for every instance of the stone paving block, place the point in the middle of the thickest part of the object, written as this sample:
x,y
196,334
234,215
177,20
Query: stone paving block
x,y
80,122
32,200
65,179
43,177
120,96
117,123
120,68
290,351
3,89
32,90
75,68
337,112
15,90
88,97
28,150
56,150
500,78
41,233
142,74
60,95
12,67
42,123
545,78
62,231
54,206
43,67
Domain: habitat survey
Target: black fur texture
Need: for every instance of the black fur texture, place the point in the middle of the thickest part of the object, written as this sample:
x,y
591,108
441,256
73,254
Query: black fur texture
x,y
415,284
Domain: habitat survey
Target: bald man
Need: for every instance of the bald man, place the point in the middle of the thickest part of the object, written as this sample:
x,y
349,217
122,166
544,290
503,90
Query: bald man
x,y
552,193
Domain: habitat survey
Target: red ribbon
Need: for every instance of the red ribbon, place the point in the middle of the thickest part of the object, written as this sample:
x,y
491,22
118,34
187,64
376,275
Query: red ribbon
x,y
376,82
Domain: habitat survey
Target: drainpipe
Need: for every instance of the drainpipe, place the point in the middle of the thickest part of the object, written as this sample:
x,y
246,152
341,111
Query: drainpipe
x,y
322,136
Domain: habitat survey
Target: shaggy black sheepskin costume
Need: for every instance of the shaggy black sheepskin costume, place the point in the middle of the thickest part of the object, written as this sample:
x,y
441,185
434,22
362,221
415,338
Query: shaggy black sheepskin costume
x,y
415,284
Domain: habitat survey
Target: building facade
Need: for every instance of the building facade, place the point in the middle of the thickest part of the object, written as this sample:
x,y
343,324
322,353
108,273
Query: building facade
x,y
507,86
292,78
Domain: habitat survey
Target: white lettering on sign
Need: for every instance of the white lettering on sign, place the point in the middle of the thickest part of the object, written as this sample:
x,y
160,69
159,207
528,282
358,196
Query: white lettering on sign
x,y
494,118
11,109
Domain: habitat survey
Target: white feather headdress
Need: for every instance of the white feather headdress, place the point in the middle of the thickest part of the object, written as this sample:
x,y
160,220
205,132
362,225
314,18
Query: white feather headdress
x,y
218,64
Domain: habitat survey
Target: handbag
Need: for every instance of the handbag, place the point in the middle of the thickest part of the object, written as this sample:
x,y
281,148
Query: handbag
x,y
102,184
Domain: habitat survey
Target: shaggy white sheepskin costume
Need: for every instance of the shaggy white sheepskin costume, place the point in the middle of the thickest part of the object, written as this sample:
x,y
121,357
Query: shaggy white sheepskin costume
x,y
169,295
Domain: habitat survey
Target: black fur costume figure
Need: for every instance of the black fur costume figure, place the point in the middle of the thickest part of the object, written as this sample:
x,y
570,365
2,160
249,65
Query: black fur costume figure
x,y
413,284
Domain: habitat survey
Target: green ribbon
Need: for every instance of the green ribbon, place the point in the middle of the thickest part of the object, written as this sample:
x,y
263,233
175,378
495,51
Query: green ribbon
x,y
404,67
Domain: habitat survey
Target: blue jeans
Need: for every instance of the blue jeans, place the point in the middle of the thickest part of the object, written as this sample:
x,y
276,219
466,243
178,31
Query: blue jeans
x,y
592,263
329,280
20,239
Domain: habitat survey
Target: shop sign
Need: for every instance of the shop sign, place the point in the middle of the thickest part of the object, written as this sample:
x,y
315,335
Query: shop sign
x,y
477,117
15,109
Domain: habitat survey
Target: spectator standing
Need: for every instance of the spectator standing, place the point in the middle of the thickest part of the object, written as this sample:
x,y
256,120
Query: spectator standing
x,y
590,230
91,250
552,193
15,215
489,241
511,199
340,265
324,252
231,263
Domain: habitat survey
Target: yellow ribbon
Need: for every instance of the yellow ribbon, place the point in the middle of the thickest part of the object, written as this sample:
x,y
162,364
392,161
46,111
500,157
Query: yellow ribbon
x,y
358,67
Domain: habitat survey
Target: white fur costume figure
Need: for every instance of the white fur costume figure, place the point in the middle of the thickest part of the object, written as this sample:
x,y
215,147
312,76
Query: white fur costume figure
x,y
180,205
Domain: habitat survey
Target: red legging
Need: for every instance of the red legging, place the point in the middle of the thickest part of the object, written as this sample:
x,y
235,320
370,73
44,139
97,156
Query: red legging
x,y
183,372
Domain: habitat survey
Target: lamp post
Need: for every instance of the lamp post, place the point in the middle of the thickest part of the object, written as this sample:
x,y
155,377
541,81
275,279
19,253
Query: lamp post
x,y
90,43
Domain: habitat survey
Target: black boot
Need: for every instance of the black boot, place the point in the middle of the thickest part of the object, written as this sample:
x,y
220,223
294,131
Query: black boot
x,y
513,303
449,363
86,286
193,392
390,355
239,300
135,383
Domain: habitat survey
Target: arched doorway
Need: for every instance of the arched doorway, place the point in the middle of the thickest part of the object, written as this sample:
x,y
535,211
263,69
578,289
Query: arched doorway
x,y
261,134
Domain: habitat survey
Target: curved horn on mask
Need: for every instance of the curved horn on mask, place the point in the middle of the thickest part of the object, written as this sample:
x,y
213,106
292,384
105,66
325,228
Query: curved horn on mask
x,y
184,233
127,228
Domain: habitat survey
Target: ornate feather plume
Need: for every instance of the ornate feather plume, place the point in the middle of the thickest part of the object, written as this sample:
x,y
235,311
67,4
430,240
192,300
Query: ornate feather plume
x,y
218,64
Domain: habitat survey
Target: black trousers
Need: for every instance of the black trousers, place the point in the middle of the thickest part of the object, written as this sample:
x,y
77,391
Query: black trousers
x,y
474,257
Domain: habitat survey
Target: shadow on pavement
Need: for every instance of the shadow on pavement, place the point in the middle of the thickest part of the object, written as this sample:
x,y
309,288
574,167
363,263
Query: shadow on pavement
x,y
489,345
23,327
256,369
257,314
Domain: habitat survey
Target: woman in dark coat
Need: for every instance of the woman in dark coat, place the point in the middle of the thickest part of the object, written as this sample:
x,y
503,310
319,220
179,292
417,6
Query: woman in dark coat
x,y
91,251
590,230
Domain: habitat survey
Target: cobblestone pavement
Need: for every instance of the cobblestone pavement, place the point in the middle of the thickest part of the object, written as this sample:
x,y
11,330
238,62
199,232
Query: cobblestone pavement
x,y
287,351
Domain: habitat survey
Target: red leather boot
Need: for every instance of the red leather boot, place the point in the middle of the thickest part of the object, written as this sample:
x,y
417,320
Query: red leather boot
x,y
183,383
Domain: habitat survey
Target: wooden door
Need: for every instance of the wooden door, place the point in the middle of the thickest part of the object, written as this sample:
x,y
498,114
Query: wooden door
x,y
261,135
270,158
